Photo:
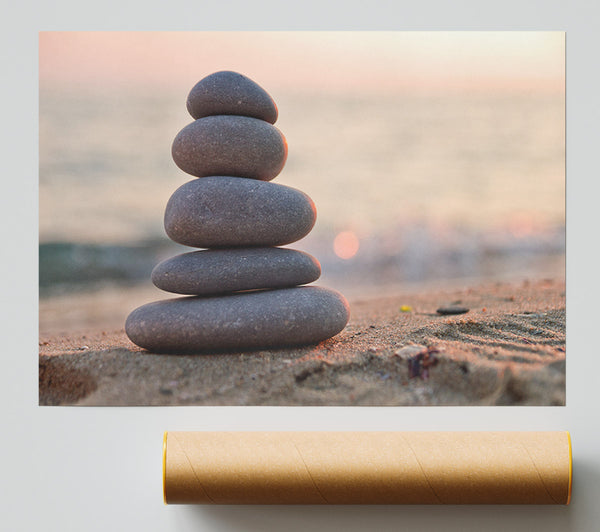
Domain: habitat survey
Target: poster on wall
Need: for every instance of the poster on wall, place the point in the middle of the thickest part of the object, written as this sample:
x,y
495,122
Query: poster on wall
x,y
302,218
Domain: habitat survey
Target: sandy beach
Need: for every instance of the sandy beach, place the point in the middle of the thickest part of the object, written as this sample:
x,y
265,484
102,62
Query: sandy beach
x,y
509,349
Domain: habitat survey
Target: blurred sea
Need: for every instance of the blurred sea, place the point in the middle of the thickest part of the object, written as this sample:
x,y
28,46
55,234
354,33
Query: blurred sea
x,y
433,188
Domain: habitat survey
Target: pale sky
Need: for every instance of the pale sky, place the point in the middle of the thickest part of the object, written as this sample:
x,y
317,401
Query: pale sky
x,y
324,61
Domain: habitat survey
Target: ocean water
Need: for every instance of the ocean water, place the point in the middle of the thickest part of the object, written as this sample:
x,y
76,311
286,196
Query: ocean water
x,y
429,186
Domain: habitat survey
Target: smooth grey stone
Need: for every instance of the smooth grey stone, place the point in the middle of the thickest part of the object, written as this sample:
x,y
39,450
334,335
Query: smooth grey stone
x,y
230,145
448,311
222,211
230,93
218,271
248,320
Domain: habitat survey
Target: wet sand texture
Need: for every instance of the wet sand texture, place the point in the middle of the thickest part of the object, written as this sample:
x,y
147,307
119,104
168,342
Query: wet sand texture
x,y
509,349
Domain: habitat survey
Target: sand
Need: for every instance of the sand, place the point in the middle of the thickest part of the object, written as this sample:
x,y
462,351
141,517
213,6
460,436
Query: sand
x,y
509,349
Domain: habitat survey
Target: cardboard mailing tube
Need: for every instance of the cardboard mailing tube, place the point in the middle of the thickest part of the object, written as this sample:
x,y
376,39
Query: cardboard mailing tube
x,y
367,467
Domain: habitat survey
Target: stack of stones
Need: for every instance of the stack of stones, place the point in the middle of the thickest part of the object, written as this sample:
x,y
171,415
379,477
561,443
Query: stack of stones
x,y
245,290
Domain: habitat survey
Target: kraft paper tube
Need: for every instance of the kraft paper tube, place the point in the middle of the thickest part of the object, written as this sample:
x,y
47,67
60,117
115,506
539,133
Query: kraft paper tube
x,y
367,467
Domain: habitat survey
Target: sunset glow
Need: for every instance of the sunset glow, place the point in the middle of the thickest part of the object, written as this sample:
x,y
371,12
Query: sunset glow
x,y
332,61
345,245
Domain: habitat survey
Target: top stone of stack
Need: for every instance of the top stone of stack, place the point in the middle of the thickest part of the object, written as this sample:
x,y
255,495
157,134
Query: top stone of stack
x,y
230,93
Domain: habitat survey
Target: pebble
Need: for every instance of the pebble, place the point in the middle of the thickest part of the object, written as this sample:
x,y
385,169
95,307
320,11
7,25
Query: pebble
x,y
452,310
251,320
222,211
230,93
410,351
218,271
230,145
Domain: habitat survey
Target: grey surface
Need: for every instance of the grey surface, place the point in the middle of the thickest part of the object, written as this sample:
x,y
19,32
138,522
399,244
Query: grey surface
x,y
230,93
217,271
98,469
230,145
221,211
250,320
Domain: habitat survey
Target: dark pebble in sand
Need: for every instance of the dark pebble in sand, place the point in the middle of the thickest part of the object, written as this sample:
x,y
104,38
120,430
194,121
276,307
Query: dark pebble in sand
x,y
218,271
263,319
221,211
452,310
230,93
230,145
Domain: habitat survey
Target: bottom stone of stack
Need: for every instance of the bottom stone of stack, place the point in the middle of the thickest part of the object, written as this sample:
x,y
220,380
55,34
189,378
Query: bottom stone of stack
x,y
249,320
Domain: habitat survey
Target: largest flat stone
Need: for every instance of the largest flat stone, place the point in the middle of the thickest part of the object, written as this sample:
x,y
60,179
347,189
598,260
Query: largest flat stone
x,y
222,211
230,93
250,320
219,271
230,145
